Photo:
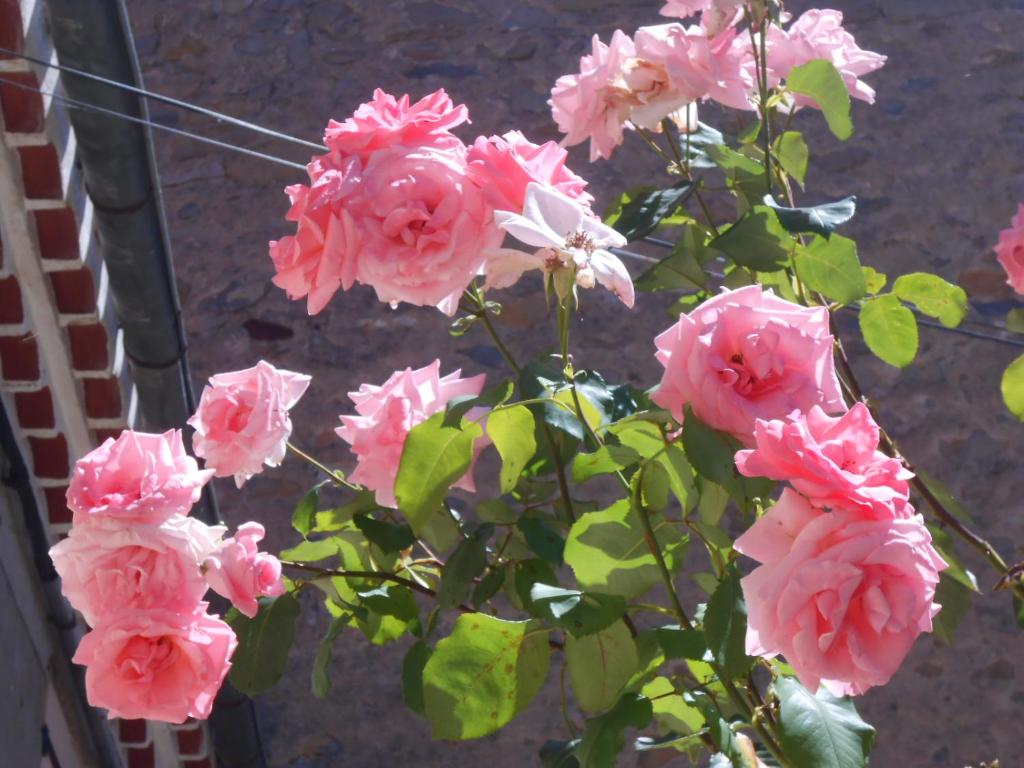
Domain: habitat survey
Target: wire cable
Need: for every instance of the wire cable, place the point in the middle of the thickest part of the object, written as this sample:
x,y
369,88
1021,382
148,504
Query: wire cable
x,y
188,106
75,104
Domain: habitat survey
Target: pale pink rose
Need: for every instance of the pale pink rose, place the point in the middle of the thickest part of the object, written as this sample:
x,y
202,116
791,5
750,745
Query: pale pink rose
x,y
107,566
157,664
502,166
387,413
682,9
653,94
137,478
238,571
746,355
819,34
841,597
419,226
716,15
319,258
386,121
242,421
834,462
595,103
1010,251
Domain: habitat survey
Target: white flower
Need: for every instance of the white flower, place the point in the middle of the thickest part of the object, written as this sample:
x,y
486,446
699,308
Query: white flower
x,y
567,236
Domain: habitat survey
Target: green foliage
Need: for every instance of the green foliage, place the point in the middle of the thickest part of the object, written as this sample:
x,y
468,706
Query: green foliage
x,y
511,431
1012,387
955,599
821,730
694,146
820,81
757,241
642,215
483,674
671,712
321,679
819,219
604,736
933,296
1015,320
874,280
680,270
542,539
579,613
604,461
263,643
792,154
600,665
458,407
304,514
679,643
608,553
712,454
831,267
890,330
389,537
433,458
725,626
744,174
464,564
412,675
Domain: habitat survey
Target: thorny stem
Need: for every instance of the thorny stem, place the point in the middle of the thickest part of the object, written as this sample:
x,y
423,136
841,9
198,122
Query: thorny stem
x,y
331,474
684,168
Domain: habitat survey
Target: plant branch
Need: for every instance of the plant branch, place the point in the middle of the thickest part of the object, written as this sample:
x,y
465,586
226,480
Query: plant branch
x,y
331,474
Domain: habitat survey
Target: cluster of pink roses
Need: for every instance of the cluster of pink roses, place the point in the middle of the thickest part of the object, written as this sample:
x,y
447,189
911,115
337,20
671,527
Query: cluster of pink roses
x,y
401,204
1010,251
137,566
663,71
848,572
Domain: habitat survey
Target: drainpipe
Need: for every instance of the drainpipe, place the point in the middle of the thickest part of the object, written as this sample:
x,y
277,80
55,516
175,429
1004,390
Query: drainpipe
x,y
119,167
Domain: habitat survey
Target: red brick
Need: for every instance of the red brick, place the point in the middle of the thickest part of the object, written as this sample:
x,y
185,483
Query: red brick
x,y
58,513
58,233
11,310
141,757
74,291
88,347
132,731
10,27
50,457
190,741
35,409
102,398
19,358
23,108
40,172
203,763
103,434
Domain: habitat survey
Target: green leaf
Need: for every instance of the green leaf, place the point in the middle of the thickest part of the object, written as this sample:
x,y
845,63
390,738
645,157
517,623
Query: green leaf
x,y
874,279
488,587
540,381
694,145
1015,320
757,241
304,514
943,542
821,81
608,553
670,711
821,731
819,219
464,564
527,573
725,626
263,643
390,600
830,266
1012,387
681,269
433,458
389,537
458,407
412,675
712,454
322,662
642,214
511,431
579,613
933,296
542,539
483,674
744,174
604,736
559,754
604,461
679,643
496,511
339,518
312,551
890,330
600,665
955,599
792,153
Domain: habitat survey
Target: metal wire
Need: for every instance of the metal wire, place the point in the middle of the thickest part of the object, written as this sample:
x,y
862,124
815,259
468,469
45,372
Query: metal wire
x,y
220,117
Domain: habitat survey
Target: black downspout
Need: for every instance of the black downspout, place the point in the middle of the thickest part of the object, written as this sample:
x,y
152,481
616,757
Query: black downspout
x,y
119,167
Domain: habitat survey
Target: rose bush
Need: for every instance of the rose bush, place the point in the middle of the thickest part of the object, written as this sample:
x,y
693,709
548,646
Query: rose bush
x,y
750,648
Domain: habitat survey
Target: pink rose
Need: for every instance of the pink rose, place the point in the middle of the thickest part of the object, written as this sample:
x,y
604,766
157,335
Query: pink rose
x,y
653,94
834,462
746,355
819,34
594,104
318,260
702,66
502,166
1010,251
242,421
387,413
682,9
107,566
157,664
419,226
238,571
716,15
137,478
387,121
841,597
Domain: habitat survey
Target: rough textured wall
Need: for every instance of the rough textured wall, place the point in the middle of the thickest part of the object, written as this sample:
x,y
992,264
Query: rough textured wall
x,y
938,165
